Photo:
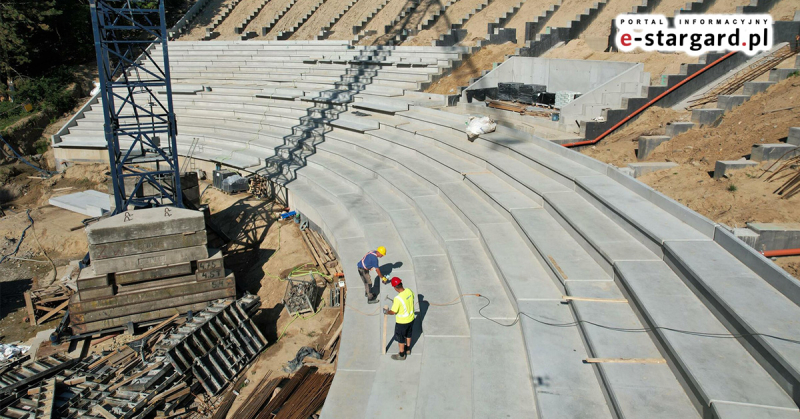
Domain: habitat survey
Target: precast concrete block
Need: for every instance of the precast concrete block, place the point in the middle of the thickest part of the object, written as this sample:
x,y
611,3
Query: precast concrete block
x,y
149,260
90,202
642,168
146,245
779,74
706,116
769,152
648,144
723,168
140,275
728,102
675,128
747,235
89,279
151,222
775,236
754,87
794,136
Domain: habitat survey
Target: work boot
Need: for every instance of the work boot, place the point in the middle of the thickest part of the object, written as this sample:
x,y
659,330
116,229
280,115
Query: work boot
x,y
399,357
372,300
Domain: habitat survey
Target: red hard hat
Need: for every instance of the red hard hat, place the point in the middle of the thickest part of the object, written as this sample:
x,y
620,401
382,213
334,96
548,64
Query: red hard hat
x,y
396,281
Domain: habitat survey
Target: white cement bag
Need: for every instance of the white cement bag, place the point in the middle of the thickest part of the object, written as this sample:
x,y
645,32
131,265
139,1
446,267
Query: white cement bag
x,y
480,125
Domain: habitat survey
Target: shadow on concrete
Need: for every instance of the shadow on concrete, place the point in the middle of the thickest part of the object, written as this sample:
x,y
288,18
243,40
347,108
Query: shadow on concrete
x,y
419,320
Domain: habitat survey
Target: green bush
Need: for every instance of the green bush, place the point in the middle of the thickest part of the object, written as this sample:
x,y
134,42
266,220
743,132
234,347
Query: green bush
x,y
48,92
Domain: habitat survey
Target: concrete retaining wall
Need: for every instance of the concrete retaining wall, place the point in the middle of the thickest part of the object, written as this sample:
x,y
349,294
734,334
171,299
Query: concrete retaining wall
x,y
590,104
556,74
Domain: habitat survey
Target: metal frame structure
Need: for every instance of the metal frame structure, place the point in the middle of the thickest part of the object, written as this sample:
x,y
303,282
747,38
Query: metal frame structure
x,y
140,128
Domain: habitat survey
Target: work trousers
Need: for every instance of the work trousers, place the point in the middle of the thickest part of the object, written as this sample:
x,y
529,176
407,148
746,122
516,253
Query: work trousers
x,y
367,282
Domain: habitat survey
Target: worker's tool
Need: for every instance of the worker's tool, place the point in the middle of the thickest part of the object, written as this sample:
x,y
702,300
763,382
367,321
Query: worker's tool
x,y
385,317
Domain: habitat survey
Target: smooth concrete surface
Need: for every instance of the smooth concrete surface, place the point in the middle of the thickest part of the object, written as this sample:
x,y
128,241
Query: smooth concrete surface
x,y
769,152
794,136
754,87
728,102
90,202
149,260
642,168
151,222
709,116
774,236
722,168
648,144
512,217
675,128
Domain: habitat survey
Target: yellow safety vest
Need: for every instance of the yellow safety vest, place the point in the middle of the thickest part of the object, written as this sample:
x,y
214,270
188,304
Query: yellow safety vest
x,y
403,306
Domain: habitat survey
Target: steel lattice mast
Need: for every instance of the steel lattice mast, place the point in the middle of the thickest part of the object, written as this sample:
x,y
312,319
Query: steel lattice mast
x,y
140,128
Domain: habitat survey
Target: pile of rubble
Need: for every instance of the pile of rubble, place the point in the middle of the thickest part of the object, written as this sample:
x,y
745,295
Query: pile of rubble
x,y
176,369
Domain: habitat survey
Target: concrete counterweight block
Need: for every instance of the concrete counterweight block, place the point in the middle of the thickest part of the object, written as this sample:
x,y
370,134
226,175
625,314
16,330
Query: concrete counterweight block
x,y
707,116
675,128
769,152
648,144
794,136
644,168
753,87
722,168
728,102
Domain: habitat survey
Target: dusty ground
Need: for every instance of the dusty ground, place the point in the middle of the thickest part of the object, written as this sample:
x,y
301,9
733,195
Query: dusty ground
x,y
383,18
745,196
471,68
784,9
319,19
567,12
453,14
409,22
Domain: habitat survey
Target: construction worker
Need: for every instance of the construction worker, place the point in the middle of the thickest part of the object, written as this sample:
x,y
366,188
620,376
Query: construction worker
x,y
403,310
368,262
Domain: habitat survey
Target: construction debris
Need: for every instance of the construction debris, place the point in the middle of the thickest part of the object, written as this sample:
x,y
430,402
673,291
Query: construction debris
x,y
299,398
789,172
174,370
44,303
521,109
301,295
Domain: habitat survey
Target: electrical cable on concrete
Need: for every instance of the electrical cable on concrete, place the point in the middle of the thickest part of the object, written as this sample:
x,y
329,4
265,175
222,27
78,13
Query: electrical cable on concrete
x,y
626,330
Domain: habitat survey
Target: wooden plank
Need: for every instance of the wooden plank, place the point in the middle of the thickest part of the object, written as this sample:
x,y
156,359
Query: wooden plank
x,y
100,410
333,338
333,323
383,335
53,313
159,326
314,253
625,360
29,306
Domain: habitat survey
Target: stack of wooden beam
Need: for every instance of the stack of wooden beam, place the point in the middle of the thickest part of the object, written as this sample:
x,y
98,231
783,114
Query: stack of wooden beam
x,y
147,265
323,256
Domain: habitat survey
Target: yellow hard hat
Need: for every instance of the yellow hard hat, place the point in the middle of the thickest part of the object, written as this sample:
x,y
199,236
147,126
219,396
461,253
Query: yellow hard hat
x,y
382,250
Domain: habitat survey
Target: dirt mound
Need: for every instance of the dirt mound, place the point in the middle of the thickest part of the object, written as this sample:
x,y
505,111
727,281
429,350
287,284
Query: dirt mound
x,y
472,68
619,148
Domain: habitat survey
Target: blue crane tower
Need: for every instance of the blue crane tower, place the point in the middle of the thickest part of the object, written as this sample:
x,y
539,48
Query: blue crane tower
x,y
140,127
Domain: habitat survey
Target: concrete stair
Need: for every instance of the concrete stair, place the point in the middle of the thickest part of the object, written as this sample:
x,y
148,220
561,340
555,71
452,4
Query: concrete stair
x,y
512,217
242,26
456,34
358,28
283,35
266,29
325,32
496,32
543,42
226,11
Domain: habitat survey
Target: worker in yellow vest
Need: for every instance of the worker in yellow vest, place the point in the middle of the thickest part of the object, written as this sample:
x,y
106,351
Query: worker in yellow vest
x,y
403,310
367,263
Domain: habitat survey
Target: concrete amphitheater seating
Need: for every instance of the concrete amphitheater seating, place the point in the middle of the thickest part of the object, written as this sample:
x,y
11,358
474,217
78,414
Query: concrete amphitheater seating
x,y
514,218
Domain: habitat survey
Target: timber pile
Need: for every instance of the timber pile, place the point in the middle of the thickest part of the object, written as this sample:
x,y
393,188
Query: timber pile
x,y
44,303
323,256
147,265
301,396
520,109
147,378
789,172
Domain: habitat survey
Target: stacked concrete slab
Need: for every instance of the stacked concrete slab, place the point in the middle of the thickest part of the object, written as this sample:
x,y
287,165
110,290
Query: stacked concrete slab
x,y
146,265
600,297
